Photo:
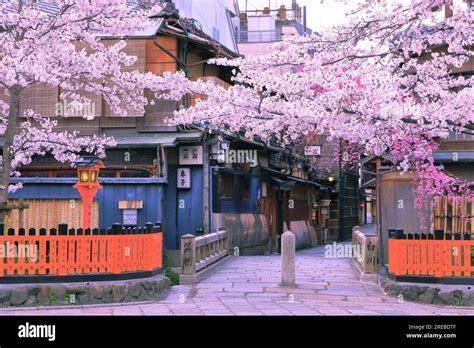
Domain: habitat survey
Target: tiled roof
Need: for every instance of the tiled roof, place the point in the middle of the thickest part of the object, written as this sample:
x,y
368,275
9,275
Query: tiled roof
x,y
51,8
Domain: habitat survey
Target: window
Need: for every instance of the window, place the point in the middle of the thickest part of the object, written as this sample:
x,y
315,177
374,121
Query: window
x,y
226,188
245,181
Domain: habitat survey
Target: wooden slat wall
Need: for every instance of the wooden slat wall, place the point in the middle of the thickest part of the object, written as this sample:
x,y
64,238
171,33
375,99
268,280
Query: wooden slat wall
x,y
39,98
43,99
134,48
214,79
48,213
150,58
94,98
95,109
156,114
82,126
118,122
454,216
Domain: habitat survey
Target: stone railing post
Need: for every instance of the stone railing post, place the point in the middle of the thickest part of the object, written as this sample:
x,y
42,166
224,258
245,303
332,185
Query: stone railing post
x,y
188,254
227,243
288,255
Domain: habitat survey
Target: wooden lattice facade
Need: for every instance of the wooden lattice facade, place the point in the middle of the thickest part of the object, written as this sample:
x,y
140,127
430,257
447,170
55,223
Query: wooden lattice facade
x,y
454,214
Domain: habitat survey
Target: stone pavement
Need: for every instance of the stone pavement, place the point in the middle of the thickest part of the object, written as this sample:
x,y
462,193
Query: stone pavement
x,y
248,285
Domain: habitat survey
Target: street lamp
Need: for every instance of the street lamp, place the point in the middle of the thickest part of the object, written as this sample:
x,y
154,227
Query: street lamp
x,y
88,185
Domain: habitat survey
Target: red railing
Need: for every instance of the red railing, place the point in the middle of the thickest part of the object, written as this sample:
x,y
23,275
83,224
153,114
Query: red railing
x,y
126,250
423,255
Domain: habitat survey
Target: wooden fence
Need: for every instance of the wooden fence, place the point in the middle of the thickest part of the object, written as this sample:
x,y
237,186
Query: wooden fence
x,y
64,252
49,213
428,254
198,253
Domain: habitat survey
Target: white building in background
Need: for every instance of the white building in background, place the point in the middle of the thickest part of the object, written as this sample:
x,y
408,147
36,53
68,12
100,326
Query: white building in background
x,y
262,26
218,18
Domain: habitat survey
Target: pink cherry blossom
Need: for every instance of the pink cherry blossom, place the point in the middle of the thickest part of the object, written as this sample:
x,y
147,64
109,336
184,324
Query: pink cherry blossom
x,y
385,81
41,48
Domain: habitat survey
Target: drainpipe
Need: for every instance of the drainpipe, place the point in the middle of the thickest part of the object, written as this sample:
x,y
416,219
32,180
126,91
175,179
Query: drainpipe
x,y
340,237
379,217
206,182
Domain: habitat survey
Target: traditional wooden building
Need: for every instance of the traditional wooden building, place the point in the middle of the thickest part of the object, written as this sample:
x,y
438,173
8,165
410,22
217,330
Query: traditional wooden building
x,y
261,192
336,206
176,174
389,197
140,178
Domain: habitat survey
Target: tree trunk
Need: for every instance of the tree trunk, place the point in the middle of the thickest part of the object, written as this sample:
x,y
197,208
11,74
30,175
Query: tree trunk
x,y
13,117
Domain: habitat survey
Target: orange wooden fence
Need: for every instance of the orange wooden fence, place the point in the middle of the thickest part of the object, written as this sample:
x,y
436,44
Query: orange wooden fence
x,y
63,255
430,257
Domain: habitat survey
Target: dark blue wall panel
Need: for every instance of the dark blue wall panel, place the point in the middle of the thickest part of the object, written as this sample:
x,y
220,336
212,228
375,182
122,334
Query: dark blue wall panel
x,y
236,205
171,209
109,198
46,191
181,221
160,200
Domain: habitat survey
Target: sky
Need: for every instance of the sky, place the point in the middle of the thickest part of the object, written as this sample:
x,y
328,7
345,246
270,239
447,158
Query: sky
x,y
321,14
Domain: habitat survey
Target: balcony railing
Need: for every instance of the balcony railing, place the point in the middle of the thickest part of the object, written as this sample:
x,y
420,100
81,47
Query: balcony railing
x,y
258,36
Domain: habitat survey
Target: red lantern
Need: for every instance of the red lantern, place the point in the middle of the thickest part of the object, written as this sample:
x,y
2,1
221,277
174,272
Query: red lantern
x,y
88,185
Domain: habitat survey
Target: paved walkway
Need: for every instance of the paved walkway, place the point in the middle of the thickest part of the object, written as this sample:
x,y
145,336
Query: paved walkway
x,y
248,285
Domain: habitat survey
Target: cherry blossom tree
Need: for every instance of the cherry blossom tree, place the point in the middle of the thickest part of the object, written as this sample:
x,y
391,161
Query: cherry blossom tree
x,y
62,48
387,80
